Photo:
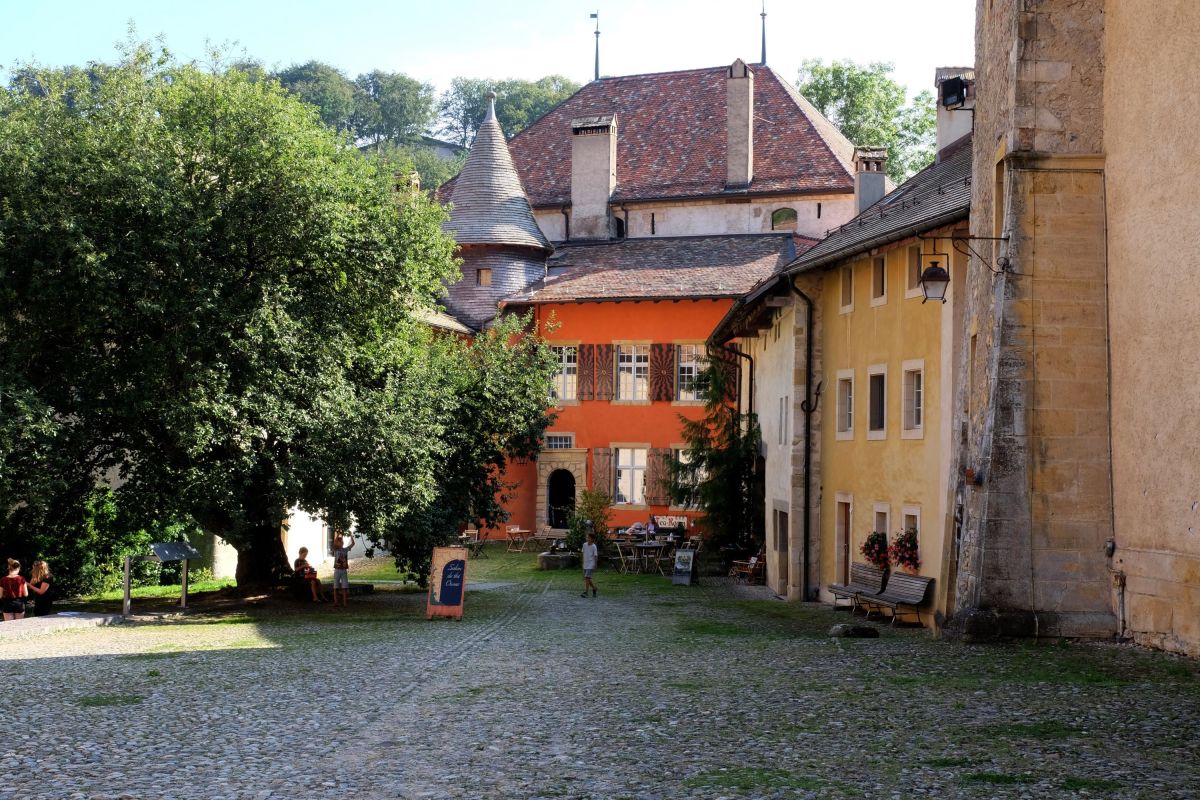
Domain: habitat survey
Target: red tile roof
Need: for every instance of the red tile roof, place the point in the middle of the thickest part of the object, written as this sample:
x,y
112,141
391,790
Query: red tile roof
x,y
671,139
668,267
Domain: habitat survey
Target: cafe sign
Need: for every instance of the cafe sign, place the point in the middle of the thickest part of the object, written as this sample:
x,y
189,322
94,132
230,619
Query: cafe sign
x,y
447,583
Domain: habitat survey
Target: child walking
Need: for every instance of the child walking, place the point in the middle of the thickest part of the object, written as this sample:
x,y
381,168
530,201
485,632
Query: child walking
x,y
341,570
590,557
13,592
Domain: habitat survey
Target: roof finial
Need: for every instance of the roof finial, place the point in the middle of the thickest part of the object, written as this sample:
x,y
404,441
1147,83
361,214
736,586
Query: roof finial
x,y
764,36
491,112
596,17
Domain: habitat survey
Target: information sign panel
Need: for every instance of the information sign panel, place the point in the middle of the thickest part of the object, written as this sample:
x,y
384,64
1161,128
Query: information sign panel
x,y
685,564
174,551
447,583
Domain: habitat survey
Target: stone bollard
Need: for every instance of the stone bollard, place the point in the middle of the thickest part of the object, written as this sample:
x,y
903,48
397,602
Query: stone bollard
x,y
849,631
558,560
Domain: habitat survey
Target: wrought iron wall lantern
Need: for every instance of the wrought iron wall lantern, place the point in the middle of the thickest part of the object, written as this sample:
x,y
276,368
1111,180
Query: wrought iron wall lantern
x,y
934,278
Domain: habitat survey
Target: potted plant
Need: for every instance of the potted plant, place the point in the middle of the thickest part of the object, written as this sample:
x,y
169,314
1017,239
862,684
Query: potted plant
x,y
904,551
875,550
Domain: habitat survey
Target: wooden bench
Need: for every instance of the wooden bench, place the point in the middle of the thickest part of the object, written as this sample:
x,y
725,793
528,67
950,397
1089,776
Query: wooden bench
x,y
903,592
864,579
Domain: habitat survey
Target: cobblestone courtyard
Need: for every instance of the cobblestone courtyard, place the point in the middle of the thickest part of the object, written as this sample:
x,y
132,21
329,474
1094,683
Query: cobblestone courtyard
x,y
648,691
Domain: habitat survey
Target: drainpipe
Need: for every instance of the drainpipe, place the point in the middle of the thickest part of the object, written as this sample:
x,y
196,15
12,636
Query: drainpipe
x,y
566,223
750,393
811,399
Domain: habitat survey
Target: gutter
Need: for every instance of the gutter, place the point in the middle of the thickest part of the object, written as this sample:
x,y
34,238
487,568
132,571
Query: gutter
x,y
809,407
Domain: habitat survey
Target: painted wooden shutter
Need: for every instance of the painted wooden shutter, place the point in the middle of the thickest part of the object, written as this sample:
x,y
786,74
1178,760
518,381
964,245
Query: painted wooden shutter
x,y
584,368
602,470
728,364
605,366
657,477
662,372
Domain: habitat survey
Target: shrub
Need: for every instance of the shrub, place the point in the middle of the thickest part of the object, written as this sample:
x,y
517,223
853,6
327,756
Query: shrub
x,y
875,550
594,507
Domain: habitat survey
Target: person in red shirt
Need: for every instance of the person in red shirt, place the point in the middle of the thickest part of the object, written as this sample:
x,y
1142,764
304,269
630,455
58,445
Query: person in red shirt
x,y
13,592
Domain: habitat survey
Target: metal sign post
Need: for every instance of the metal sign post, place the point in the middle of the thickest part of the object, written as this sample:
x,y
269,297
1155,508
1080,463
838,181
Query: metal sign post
x,y
162,551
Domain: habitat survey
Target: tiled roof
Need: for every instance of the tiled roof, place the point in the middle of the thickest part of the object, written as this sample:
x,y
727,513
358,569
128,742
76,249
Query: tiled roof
x,y
935,196
671,139
674,267
489,205
440,319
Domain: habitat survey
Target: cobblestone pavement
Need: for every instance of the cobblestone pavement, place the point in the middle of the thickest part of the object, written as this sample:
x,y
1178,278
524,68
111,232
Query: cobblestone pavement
x,y
648,691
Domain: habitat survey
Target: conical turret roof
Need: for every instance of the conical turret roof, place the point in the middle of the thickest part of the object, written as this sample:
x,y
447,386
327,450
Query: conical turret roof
x,y
489,203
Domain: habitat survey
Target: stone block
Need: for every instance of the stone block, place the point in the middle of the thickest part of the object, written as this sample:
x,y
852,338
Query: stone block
x,y
849,631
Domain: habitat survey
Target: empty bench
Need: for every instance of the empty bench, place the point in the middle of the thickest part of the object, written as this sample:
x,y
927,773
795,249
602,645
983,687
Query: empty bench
x,y
864,579
904,593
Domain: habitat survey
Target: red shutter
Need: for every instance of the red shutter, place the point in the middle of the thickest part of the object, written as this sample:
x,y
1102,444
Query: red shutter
x,y
602,470
656,477
604,371
585,367
662,372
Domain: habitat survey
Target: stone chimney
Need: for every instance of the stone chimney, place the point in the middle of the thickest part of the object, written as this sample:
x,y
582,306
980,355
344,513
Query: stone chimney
x,y
739,112
593,175
955,88
870,180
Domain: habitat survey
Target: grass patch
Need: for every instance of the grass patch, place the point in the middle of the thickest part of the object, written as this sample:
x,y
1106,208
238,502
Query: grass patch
x,y
705,627
997,778
750,778
93,700
1098,784
1045,729
170,591
148,656
153,673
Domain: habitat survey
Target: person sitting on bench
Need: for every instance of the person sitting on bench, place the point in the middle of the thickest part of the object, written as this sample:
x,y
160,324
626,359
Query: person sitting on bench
x,y
305,572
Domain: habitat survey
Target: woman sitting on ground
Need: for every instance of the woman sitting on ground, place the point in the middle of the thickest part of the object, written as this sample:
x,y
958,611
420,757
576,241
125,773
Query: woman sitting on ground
x,y
40,585
305,571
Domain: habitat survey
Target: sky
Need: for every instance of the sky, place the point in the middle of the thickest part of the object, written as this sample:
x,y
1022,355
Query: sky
x,y
436,40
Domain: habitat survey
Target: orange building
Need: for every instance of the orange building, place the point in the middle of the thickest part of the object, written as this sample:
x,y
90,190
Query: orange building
x,y
627,220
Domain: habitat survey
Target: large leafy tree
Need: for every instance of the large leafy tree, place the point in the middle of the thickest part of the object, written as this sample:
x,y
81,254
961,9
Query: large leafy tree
x,y
519,103
325,87
868,107
208,301
392,107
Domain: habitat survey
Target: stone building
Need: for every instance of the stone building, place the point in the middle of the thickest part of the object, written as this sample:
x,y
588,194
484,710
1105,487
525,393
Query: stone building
x,y
666,196
1075,473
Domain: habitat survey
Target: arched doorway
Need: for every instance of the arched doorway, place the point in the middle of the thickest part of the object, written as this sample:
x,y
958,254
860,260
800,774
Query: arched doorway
x,y
560,489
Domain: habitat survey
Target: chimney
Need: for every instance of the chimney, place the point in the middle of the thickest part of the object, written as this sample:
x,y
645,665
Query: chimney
x,y
955,96
593,175
739,111
870,180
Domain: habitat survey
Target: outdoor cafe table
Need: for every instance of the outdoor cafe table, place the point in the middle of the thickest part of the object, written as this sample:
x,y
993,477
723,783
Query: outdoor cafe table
x,y
650,552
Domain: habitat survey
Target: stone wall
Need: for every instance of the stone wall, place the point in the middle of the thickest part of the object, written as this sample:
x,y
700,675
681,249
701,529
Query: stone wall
x,y
1031,469
806,563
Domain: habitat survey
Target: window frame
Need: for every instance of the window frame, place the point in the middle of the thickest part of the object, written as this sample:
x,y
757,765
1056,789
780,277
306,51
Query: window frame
x,y
915,366
846,289
795,219
480,274
697,364
557,392
638,369
877,371
680,453
569,436
912,287
845,405
637,488
886,510
879,276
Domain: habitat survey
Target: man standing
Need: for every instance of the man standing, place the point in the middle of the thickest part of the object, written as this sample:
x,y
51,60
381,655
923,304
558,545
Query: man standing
x,y
590,557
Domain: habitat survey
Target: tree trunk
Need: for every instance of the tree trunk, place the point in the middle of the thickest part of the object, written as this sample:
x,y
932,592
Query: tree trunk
x,y
262,561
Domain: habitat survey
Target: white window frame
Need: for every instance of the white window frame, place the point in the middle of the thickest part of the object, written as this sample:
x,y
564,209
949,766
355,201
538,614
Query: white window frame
x,y
680,453
886,510
845,432
879,269
632,473
880,433
846,276
568,437
696,365
912,511
633,360
912,285
909,430
559,392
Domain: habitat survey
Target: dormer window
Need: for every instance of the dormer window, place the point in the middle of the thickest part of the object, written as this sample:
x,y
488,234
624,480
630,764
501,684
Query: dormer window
x,y
783,219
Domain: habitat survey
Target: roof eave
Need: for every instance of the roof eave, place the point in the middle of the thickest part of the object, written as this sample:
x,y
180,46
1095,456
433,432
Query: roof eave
x,y
802,264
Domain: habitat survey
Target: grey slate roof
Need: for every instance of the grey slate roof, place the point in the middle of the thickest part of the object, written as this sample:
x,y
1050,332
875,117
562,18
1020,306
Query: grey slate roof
x,y
489,203
662,268
935,196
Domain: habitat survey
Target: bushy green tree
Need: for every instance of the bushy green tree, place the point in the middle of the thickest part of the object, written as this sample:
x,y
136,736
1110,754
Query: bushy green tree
x,y
868,107
594,513
325,87
404,159
209,302
393,107
519,103
718,472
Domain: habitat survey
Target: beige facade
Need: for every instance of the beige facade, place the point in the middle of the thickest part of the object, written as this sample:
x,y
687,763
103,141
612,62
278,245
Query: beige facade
x,y
1151,158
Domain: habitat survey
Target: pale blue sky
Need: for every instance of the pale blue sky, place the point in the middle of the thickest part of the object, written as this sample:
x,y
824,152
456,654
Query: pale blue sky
x,y
435,40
